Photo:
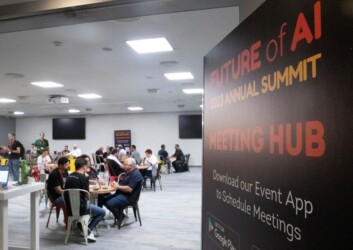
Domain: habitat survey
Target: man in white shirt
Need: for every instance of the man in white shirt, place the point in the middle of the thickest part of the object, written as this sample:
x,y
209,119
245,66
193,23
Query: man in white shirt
x,y
122,153
150,161
75,151
44,162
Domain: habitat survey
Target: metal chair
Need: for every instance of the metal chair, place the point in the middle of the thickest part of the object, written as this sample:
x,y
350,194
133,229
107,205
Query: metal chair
x,y
156,175
73,196
134,205
57,208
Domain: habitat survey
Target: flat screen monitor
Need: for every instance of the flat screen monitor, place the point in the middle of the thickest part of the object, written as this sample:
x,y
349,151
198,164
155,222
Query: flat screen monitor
x,y
190,126
69,128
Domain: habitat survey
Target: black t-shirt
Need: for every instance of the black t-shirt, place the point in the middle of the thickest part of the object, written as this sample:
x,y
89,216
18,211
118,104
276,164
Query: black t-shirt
x,y
77,181
56,179
16,144
179,155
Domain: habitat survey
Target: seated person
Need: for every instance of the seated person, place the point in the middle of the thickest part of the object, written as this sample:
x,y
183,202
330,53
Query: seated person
x,y
56,182
94,179
149,161
114,165
134,154
180,158
99,155
66,150
44,162
162,152
78,180
127,191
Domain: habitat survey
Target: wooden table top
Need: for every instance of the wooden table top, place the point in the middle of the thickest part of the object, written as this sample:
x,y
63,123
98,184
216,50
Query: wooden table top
x,y
142,166
103,190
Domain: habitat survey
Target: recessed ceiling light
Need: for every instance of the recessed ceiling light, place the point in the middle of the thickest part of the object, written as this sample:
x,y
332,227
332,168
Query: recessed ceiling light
x,y
74,111
135,108
150,45
193,91
179,76
90,96
47,84
6,100
201,106
18,113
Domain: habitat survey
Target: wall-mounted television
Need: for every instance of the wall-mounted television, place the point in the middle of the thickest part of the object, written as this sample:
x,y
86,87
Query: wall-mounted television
x,y
69,128
190,126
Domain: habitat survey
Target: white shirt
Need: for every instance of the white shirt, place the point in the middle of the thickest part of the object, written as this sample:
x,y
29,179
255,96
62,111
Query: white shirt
x,y
121,154
150,161
41,162
75,152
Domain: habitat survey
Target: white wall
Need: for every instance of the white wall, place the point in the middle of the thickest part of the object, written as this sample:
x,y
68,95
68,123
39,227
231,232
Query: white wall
x,y
147,131
247,7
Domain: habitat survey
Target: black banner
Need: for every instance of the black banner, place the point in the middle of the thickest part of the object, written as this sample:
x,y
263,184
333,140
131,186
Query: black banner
x,y
278,149
123,138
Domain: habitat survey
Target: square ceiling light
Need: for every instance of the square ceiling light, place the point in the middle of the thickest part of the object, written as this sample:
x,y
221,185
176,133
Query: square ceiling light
x,y
179,76
150,45
47,84
6,100
90,96
193,91
18,113
135,108
74,111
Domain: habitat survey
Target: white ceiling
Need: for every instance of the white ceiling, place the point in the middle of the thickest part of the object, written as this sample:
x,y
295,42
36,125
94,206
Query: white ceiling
x,y
120,76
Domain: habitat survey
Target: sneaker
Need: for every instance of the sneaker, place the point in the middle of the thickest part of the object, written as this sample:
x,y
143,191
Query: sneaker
x,y
90,236
123,221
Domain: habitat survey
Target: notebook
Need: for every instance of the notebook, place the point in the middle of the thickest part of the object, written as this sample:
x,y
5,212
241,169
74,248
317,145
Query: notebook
x,y
4,176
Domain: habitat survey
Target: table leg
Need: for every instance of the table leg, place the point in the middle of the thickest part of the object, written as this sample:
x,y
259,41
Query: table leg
x,y
4,230
35,220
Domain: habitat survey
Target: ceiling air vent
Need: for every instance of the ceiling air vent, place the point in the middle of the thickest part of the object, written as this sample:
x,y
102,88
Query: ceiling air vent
x,y
181,106
152,91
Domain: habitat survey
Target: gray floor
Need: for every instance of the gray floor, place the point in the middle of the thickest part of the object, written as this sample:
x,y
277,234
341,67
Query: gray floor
x,y
171,219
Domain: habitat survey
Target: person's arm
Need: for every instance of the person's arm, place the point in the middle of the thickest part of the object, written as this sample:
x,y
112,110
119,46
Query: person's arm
x,y
122,188
58,189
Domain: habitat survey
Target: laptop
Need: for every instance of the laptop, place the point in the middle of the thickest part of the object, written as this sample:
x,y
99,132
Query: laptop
x,y
4,176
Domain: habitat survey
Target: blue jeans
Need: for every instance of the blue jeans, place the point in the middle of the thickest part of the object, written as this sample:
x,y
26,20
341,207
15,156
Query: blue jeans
x,y
97,214
59,201
14,167
116,204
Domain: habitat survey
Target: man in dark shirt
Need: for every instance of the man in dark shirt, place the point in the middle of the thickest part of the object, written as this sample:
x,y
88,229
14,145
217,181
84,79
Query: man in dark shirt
x,y
127,191
78,180
56,181
13,153
165,155
180,158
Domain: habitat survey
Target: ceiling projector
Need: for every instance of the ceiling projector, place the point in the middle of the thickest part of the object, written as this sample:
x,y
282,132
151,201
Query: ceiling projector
x,y
58,99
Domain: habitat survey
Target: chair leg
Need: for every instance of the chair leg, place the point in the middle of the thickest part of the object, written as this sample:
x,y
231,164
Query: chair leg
x,y
68,230
51,208
134,209
138,213
160,182
57,213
